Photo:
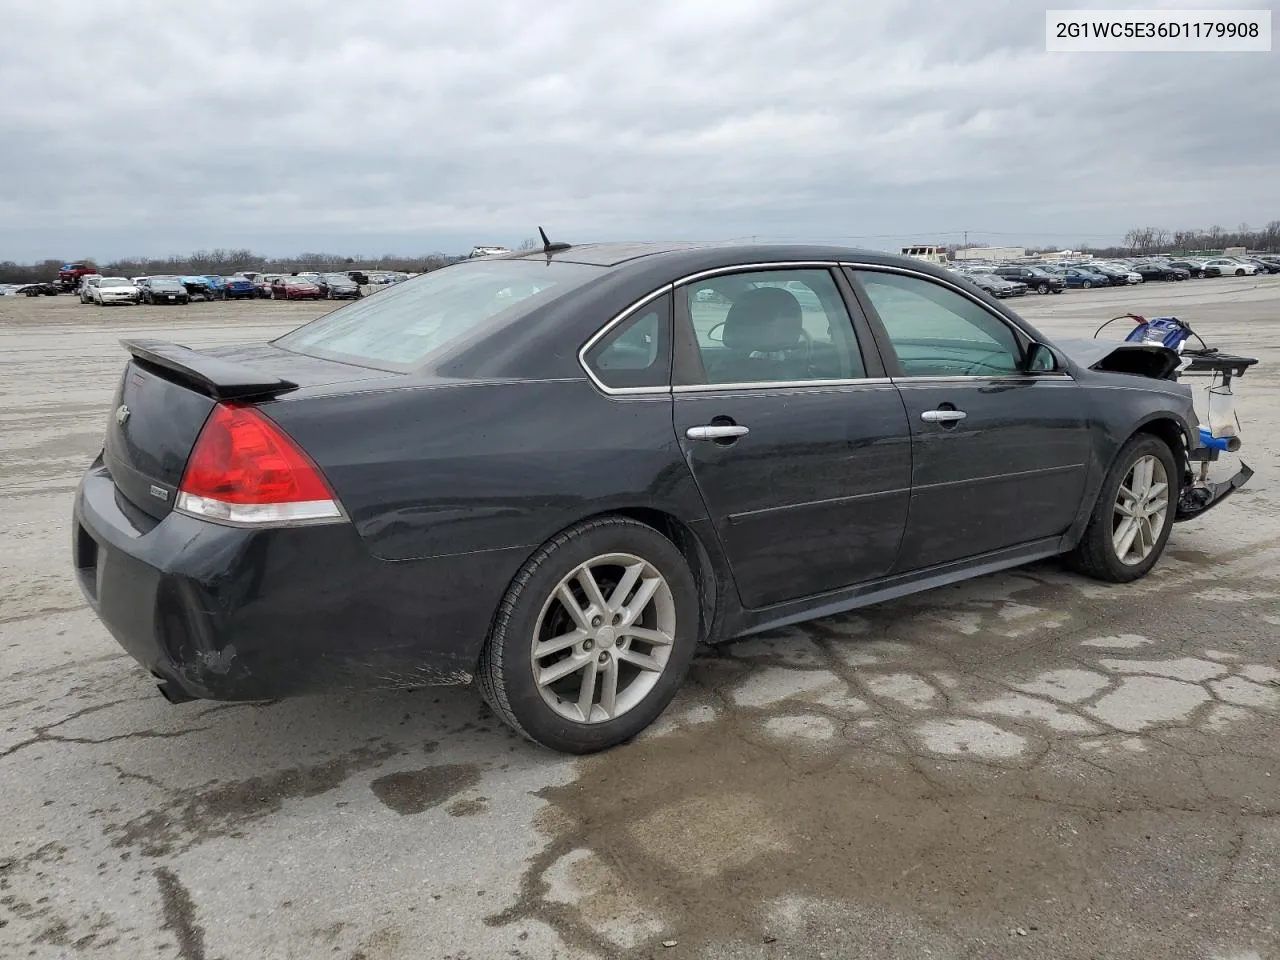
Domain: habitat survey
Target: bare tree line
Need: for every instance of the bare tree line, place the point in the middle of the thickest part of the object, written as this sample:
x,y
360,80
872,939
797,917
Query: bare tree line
x,y
1153,240
221,262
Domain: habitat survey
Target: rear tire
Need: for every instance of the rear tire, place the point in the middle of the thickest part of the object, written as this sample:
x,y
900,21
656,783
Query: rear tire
x,y
1097,555
542,698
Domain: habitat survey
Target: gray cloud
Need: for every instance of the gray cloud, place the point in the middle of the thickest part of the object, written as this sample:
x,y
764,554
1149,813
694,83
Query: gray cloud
x,y
128,127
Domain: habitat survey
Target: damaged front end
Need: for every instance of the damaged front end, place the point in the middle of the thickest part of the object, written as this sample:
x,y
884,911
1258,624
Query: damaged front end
x,y
1220,435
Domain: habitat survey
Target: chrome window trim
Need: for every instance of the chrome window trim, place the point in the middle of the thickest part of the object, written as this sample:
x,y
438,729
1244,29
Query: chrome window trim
x,y
926,380
952,285
604,331
786,384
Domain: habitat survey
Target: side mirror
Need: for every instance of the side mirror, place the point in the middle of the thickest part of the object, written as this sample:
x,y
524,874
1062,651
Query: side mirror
x,y
1040,359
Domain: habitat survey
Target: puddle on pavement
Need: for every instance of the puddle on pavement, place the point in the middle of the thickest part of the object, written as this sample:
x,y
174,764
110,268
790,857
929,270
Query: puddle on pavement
x,y
413,791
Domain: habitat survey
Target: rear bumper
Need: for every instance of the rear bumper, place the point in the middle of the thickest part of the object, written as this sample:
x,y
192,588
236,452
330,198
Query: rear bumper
x,y
226,613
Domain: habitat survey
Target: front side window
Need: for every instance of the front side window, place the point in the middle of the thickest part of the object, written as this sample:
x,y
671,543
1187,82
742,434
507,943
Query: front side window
x,y
405,325
937,332
637,352
770,326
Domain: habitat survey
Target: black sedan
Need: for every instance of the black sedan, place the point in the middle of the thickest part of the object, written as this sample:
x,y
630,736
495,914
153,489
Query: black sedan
x,y
1034,278
163,290
1161,271
1197,268
556,472
337,286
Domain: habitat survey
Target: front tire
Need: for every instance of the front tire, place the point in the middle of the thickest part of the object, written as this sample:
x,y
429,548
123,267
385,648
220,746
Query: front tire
x,y
1042,289
1133,515
593,637
1087,284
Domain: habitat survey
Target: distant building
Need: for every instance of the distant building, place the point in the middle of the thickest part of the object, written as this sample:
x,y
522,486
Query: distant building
x,y
991,253
926,251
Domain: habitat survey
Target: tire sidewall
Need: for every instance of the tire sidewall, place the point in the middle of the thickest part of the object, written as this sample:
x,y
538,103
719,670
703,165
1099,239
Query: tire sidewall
x,y
1139,446
513,633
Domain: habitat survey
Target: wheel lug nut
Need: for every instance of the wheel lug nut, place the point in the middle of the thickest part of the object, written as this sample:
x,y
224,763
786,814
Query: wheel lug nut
x,y
604,658
617,619
596,621
587,644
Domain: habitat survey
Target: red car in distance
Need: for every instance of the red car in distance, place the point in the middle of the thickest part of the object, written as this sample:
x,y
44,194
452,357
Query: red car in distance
x,y
292,288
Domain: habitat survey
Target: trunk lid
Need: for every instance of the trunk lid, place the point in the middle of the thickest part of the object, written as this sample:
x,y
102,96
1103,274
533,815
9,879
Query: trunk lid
x,y
167,393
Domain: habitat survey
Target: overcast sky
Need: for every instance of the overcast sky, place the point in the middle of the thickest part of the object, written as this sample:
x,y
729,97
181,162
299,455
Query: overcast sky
x,y
152,127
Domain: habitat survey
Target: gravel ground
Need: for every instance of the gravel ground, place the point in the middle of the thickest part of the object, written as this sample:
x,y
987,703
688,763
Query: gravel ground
x,y
1029,764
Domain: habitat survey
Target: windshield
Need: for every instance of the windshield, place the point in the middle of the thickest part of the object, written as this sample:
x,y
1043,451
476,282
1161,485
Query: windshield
x,y
399,328
114,282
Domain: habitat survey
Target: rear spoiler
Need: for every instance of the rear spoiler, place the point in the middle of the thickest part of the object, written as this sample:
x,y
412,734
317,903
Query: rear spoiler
x,y
220,379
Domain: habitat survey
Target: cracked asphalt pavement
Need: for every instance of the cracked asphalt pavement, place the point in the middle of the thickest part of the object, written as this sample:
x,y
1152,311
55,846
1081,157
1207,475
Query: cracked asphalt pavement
x,y
1028,764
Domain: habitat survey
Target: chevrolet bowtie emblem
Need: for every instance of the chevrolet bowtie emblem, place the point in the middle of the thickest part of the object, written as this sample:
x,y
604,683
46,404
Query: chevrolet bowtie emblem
x,y
122,414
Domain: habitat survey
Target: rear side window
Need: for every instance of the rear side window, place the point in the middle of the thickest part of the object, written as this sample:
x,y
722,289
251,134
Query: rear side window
x,y
637,352
403,326
770,326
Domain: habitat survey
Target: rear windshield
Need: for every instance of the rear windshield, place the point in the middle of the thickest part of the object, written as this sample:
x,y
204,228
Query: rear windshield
x,y
401,327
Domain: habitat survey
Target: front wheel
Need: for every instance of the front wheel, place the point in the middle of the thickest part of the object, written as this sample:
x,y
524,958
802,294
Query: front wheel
x,y
1087,284
1239,273
1133,516
1042,289
593,638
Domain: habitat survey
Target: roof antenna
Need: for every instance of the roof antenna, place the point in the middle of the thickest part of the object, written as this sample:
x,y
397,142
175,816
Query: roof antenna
x,y
548,246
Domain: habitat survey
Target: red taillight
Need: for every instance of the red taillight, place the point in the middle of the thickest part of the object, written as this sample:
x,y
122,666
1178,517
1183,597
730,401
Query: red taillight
x,y
245,469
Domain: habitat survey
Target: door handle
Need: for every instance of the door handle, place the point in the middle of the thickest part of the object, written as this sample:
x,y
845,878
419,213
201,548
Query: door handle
x,y
942,416
725,431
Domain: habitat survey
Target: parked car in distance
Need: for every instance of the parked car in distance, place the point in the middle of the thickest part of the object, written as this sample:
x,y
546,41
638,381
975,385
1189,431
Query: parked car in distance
x,y
1197,268
1085,279
41,288
1264,266
337,286
71,274
1161,271
163,290
995,285
1041,281
238,288
359,276
199,288
1115,276
87,283
1231,267
293,288
301,539
1122,271
114,290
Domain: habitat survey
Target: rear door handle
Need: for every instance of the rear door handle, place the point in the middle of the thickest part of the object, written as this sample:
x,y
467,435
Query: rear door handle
x,y
942,416
717,432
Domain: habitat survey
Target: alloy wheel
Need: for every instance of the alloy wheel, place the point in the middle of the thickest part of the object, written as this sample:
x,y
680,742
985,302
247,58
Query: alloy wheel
x,y
1142,503
603,638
